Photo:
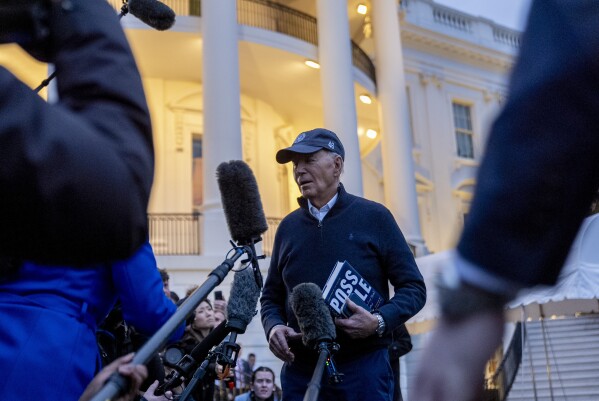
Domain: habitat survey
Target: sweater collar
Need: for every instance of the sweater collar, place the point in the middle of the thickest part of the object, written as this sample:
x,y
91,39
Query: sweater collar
x,y
341,198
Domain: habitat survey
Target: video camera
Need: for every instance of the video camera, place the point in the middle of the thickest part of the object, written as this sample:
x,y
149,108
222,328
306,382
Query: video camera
x,y
218,362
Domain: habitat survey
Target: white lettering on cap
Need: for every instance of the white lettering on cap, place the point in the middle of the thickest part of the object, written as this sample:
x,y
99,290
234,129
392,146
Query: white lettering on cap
x,y
331,144
300,137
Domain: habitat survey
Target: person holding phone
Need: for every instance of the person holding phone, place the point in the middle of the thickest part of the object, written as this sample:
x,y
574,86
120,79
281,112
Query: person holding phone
x,y
220,308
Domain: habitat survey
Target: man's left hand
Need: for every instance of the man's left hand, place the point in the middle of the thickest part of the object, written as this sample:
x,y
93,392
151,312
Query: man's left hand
x,y
360,324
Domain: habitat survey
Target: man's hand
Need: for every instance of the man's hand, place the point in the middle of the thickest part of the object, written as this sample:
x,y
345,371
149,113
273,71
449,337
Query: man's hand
x,y
452,364
136,373
360,324
149,394
277,342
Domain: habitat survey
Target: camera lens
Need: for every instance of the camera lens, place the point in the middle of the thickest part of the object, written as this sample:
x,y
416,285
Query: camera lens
x,y
172,355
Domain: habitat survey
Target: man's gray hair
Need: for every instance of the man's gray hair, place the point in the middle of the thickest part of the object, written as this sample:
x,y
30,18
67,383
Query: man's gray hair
x,y
334,154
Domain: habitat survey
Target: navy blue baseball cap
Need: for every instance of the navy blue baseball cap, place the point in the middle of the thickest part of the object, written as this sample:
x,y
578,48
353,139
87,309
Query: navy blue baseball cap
x,y
310,142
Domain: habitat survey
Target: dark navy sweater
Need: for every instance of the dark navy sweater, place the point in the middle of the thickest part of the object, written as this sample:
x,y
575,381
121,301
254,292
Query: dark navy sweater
x,y
357,230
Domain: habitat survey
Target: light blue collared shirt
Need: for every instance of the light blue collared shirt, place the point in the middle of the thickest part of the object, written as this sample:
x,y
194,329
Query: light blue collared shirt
x,y
320,213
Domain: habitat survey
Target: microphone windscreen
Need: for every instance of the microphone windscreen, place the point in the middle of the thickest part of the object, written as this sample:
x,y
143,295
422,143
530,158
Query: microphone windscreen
x,y
154,13
243,300
241,201
312,314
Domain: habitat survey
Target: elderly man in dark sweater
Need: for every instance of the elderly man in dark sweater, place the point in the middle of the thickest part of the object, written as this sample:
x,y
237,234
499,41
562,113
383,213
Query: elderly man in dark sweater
x,y
332,225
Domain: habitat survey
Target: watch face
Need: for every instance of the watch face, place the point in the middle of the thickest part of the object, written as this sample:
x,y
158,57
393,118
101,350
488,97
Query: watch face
x,y
381,327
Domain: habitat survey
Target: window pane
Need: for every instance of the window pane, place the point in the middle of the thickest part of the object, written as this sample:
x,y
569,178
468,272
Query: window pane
x,y
462,121
461,116
464,145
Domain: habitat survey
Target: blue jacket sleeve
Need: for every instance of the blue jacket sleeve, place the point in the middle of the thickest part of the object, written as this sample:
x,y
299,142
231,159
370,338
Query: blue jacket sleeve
x,y
139,287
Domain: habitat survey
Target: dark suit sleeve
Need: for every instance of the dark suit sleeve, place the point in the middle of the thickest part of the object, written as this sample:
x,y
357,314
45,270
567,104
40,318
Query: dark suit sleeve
x,y
274,293
75,176
541,168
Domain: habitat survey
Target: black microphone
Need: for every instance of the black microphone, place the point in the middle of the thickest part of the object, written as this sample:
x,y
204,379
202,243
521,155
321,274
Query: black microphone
x,y
240,310
318,332
241,201
154,13
312,314
243,301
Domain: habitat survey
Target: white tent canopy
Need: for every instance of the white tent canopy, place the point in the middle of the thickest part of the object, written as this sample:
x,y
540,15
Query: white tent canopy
x,y
577,289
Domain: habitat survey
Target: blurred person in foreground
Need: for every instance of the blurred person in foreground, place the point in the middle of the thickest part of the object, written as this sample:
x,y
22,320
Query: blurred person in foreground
x,y
75,176
535,185
333,225
50,315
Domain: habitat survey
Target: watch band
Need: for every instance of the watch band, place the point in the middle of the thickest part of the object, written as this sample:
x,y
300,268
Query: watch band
x,y
380,329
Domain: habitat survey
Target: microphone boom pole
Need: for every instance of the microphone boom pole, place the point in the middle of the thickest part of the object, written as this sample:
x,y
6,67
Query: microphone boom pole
x,y
246,221
314,385
118,384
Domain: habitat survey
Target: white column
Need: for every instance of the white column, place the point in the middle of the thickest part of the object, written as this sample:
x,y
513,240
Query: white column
x,y
336,76
222,113
398,164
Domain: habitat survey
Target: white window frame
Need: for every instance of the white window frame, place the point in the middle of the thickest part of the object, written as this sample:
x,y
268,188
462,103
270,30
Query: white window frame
x,y
463,131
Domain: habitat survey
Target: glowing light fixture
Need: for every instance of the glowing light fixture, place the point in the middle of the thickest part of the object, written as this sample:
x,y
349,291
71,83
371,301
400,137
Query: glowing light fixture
x,y
312,64
362,9
360,131
370,133
366,99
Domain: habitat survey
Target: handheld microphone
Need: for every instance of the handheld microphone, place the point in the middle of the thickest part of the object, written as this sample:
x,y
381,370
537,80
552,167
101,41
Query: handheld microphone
x,y
241,201
312,314
153,13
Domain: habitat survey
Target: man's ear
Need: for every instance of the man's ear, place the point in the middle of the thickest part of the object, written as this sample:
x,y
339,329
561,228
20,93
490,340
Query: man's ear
x,y
338,165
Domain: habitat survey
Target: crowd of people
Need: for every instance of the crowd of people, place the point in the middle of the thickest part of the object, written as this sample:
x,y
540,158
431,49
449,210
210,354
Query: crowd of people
x,y
245,380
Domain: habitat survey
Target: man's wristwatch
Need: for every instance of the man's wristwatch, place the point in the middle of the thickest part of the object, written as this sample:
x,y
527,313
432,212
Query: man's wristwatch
x,y
380,329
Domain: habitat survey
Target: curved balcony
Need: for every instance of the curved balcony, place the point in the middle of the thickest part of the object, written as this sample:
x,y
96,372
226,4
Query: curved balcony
x,y
274,17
